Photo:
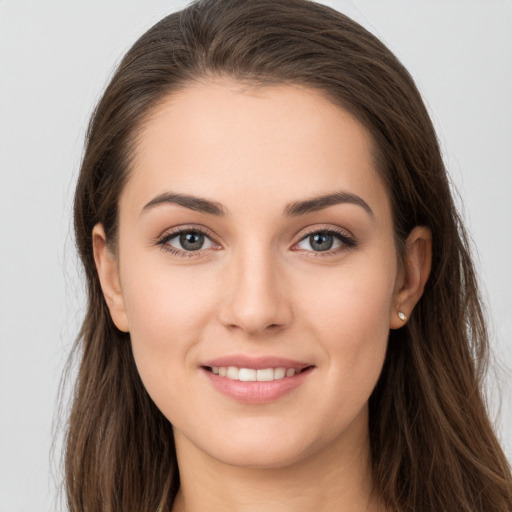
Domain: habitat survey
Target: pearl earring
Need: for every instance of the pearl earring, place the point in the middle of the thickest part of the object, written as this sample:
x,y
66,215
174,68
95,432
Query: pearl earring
x,y
402,316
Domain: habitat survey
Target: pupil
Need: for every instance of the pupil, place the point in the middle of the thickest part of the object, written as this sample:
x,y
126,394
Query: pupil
x,y
191,241
321,241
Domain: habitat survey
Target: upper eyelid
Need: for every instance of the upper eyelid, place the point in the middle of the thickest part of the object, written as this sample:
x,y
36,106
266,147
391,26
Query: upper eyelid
x,y
337,230
172,232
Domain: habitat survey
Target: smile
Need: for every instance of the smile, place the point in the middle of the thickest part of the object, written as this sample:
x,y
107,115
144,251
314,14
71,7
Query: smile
x,y
259,380
253,375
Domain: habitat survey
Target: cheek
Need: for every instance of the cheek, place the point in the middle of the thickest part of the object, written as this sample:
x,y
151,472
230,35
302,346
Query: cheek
x,y
355,297
170,309
164,303
349,315
166,310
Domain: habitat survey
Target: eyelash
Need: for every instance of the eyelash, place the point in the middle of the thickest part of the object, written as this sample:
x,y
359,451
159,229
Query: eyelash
x,y
347,241
163,241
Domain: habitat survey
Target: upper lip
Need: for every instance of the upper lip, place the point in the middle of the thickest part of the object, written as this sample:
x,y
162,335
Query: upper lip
x,y
256,363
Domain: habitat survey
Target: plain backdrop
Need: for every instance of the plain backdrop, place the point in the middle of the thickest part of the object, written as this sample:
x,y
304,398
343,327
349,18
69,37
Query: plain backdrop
x,y
56,58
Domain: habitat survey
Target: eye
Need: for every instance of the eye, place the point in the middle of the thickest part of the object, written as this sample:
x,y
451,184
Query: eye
x,y
325,241
186,241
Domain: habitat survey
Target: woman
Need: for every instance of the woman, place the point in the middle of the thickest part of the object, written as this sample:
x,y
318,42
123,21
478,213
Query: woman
x,y
282,308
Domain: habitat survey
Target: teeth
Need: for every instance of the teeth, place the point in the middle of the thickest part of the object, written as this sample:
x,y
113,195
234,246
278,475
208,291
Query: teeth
x,y
233,373
247,375
252,375
279,373
265,375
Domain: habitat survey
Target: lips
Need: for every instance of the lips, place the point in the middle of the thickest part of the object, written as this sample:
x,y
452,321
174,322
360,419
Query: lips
x,y
255,380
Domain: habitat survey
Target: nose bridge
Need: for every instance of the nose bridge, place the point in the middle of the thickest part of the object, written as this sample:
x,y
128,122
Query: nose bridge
x,y
255,297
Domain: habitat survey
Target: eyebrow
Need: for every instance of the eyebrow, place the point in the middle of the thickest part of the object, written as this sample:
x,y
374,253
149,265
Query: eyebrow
x,y
319,203
294,209
197,204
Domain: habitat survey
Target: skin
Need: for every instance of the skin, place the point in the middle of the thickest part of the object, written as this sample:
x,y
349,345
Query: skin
x,y
258,288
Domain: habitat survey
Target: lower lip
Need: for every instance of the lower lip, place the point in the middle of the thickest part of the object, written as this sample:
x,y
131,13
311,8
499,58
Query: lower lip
x,y
256,392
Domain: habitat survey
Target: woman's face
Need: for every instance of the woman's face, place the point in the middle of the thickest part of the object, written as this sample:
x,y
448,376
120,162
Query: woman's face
x,y
257,273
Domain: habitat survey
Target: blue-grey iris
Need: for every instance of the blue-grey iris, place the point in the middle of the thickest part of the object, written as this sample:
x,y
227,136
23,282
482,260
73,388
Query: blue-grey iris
x,y
321,241
191,241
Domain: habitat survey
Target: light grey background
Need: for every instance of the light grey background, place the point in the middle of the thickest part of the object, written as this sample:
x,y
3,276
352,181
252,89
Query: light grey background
x,y
55,59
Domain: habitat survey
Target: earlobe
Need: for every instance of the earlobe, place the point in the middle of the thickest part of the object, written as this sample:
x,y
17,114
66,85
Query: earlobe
x,y
106,266
418,261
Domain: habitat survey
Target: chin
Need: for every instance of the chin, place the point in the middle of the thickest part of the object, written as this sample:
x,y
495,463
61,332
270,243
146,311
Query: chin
x,y
261,456
262,448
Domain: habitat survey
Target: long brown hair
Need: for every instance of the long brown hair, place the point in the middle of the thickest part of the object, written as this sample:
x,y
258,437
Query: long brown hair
x,y
432,445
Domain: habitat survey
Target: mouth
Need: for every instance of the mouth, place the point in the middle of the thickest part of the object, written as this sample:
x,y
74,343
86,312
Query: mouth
x,y
256,375
254,381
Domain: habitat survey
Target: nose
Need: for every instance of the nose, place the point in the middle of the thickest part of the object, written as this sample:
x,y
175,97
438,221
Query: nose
x,y
255,297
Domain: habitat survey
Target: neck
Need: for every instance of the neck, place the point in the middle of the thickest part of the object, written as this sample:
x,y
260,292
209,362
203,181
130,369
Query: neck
x,y
335,478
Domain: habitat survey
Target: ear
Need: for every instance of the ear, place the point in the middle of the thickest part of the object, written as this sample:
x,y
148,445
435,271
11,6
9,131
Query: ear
x,y
106,266
414,275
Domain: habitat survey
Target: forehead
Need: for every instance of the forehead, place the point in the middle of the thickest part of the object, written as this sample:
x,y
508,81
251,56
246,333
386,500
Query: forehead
x,y
251,146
